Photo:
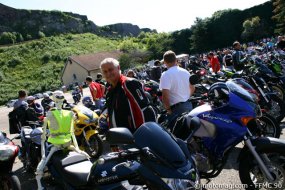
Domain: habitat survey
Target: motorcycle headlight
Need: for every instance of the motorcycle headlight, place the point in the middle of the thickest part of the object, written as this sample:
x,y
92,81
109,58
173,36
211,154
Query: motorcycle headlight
x,y
181,184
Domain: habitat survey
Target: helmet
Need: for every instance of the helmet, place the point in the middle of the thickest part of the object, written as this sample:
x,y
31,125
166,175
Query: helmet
x,y
219,93
45,95
30,99
87,101
58,98
192,59
58,95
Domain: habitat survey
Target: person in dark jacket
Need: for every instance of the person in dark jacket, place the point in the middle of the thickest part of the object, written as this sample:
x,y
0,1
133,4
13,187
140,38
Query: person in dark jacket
x,y
126,102
155,71
238,57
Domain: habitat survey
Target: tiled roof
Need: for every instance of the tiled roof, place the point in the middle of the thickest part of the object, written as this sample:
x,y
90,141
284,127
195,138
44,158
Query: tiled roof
x,y
92,61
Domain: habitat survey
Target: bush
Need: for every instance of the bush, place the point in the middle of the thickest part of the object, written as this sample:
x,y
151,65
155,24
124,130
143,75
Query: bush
x,y
41,34
46,57
7,38
14,62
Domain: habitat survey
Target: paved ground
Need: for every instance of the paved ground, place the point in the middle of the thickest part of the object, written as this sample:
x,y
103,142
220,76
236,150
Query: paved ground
x,y
229,176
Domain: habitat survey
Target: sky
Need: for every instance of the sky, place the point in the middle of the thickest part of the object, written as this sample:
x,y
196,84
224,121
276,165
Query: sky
x,y
162,15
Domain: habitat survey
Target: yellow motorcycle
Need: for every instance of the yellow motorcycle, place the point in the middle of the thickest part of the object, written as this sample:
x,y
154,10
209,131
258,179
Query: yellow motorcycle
x,y
85,130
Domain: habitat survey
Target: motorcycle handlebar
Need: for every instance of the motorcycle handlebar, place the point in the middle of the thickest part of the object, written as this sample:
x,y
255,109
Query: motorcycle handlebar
x,y
127,154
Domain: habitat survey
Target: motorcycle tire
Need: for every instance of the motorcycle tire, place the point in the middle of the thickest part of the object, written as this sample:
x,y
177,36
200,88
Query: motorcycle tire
x,y
279,90
278,108
251,175
96,146
10,182
269,126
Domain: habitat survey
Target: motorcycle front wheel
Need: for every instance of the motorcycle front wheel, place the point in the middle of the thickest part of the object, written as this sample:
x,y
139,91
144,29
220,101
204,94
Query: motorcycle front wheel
x,y
10,182
269,126
96,146
251,175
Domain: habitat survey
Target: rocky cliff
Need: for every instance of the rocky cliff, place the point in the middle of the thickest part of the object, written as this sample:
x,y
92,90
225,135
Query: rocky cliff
x,y
30,22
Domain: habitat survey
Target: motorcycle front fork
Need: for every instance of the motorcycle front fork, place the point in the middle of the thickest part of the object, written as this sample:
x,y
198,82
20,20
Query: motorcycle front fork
x,y
257,157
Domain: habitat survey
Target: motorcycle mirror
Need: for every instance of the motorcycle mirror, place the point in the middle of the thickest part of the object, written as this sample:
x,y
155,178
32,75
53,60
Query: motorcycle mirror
x,y
194,79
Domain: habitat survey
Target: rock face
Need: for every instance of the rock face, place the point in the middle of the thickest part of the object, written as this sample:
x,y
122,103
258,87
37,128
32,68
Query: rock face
x,y
31,22
49,22
123,29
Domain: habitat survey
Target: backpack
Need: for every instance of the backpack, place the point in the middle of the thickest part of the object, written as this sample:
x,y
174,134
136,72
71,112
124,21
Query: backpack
x,y
17,118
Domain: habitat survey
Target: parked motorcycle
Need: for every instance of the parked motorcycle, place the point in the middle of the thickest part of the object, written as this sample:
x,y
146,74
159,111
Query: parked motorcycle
x,y
227,121
76,96
31,145
8,154
85,130
147,164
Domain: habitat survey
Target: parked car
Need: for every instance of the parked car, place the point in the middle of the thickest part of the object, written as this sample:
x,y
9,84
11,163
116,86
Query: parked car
x,y
11,103
38,95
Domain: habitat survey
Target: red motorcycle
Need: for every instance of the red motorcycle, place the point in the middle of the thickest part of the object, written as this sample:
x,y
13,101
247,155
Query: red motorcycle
x,y
8,153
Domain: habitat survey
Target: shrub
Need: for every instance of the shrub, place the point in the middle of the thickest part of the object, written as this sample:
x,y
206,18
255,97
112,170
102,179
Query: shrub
x,y
41,34
46,57
14,62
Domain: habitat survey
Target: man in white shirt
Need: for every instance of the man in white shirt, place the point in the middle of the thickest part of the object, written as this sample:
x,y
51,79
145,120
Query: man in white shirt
x,y
175,86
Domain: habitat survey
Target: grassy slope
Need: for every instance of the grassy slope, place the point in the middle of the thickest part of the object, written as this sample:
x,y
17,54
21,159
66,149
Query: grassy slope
x,y
36,65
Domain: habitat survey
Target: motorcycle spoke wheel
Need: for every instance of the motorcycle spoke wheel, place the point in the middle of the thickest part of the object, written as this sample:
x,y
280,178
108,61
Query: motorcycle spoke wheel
x,y
251,174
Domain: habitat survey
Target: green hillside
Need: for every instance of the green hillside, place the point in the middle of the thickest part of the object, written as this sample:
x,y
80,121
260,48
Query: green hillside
x,y
37,65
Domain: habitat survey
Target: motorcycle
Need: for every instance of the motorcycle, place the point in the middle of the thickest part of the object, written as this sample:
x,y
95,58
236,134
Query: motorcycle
x,y
76,96
224,124
31,145
147,164
85,130
8,154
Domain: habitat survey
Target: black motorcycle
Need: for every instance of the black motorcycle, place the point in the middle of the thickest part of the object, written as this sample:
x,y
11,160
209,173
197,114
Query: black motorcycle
x,y
157,160
76,96
8,154
31,146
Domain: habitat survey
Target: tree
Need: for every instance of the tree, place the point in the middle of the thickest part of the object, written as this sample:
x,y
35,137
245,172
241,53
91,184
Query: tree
x,y
198,40
41,34
279,16
7,38
250,26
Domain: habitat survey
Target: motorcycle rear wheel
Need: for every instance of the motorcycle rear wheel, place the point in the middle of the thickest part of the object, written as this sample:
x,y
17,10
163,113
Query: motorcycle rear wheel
x,y
251,175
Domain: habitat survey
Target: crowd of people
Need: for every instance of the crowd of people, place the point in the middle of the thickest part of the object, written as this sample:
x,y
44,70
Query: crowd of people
x,y
126,102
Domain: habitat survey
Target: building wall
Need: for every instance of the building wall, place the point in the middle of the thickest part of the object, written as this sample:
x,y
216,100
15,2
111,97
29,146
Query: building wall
x,y
93,73
70,71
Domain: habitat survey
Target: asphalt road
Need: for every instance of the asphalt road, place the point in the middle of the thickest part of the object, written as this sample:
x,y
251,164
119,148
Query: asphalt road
x,y
229,175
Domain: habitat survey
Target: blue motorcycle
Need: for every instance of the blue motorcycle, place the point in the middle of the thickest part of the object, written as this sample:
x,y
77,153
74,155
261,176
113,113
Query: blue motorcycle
x,y
230,118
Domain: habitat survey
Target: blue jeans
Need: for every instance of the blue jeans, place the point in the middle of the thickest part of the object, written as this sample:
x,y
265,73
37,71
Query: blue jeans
x,y
178,111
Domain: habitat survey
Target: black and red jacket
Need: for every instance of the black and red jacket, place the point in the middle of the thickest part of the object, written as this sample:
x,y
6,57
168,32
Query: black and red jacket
x,y
128,105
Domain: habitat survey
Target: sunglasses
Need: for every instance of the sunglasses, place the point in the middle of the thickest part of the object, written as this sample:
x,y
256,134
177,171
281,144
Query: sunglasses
x,y
59,97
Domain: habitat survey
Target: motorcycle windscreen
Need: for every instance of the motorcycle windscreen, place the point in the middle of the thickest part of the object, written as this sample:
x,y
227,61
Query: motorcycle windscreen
x,y
239,91
86,111
160,142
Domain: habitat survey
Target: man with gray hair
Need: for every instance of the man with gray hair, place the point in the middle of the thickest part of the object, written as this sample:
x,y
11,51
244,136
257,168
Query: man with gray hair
x,y
126,101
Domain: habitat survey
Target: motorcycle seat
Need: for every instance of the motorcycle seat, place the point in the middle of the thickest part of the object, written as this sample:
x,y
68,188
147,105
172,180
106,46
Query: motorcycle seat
x,y
73,167
26,132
